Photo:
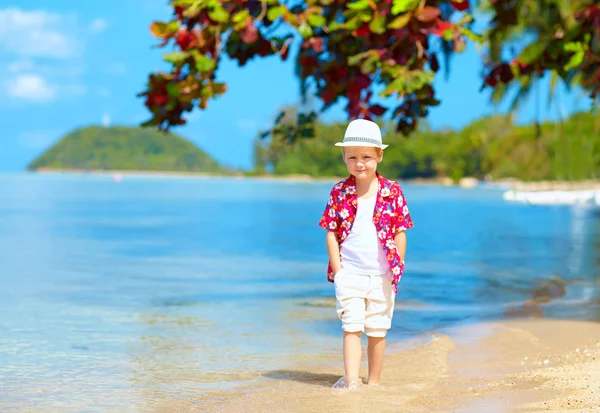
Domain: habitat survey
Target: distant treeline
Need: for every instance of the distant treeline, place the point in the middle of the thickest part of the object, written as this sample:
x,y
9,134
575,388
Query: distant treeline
x,y
492,147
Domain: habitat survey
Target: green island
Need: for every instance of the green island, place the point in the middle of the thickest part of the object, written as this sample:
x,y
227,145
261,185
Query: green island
x,y
123,148
491,148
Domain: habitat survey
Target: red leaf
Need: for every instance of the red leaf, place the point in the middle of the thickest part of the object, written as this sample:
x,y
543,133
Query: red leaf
x,y
357,85
377,110
441,28
328,96
179,12
363,30
433,62
428,14
317,44
157,99
265,48
250,33
505,73
460,5
307,61
185,39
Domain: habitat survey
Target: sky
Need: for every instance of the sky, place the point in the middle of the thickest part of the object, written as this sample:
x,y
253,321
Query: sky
x,y
67,64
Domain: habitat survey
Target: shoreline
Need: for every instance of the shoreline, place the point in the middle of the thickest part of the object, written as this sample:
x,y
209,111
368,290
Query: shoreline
x,y
467,182
505,366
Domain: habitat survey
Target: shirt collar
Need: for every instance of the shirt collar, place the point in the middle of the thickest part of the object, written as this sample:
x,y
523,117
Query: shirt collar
x,y
384,186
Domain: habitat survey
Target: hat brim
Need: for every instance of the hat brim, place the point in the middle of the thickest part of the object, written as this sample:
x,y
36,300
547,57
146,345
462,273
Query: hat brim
x,y
371,145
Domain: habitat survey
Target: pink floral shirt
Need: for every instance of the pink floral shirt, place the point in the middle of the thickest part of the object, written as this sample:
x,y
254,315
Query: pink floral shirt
x,y
390,217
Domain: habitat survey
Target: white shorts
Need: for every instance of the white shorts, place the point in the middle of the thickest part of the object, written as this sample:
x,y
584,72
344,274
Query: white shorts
x,y
364,302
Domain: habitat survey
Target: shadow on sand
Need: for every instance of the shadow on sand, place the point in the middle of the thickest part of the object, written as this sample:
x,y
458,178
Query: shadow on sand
x,y
320,379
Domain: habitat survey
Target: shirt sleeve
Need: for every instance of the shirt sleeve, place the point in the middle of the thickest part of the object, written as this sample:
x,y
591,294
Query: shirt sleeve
x,y
401,218
330,219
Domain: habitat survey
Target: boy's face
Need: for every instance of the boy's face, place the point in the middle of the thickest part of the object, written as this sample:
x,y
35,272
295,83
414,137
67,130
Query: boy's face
x,y
362,161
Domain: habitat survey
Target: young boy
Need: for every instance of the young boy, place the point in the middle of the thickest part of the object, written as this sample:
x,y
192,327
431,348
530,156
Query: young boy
x,y
365,219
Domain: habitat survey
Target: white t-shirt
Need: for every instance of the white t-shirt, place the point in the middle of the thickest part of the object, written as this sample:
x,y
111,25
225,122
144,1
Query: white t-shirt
x,y
361,252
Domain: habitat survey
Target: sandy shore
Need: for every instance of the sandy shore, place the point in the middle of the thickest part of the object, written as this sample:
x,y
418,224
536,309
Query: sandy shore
x,y
179,174
520,366
466,182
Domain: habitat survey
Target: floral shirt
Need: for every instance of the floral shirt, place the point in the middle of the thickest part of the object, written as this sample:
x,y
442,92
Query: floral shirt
x,y
390,217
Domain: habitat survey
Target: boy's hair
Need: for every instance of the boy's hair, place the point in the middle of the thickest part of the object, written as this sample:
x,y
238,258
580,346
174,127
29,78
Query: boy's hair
x,y
379,151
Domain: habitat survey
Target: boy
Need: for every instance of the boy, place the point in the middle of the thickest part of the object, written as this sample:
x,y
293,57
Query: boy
x,y
365,219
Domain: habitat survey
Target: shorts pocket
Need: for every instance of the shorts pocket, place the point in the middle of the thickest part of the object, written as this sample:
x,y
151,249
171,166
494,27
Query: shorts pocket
x,y
337,275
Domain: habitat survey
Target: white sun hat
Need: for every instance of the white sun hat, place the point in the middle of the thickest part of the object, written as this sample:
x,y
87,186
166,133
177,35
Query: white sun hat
x,y
362,132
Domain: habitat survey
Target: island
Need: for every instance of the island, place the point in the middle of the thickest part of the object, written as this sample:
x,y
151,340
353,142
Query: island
x,y
124,148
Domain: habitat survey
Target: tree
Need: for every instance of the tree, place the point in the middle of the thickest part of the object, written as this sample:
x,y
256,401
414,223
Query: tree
x,y
348,50
564,41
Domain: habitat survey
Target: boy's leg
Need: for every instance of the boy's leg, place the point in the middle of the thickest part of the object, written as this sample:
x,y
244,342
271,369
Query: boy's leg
x,y
378,320
376,352
350,291
352,355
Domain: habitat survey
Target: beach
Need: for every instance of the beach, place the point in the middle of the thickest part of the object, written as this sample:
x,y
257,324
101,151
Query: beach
x,y
515,366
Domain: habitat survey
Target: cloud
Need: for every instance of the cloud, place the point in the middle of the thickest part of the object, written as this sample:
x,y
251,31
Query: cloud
x,y
46,49
21,66
38,34
98,26
34,88
31,88
51,69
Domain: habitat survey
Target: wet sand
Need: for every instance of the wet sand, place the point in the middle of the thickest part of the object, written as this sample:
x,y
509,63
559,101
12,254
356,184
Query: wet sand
x,y
515,366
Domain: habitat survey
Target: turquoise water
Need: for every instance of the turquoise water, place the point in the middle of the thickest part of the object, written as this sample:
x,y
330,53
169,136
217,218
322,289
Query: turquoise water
x,y
169,287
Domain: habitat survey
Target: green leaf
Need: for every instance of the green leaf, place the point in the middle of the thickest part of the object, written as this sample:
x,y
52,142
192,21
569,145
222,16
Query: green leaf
x,y
352,24
573,47
377,25
275,12
241,16
204,63
418,80
185,3
469,34
359,5
466,19
369,64
532,52
162,30
316,20
448,34
219,14
409,83
173,90
400,21
195,9
575,60
401,6
305,30
579,50
176,57
397,86
357,58
365,16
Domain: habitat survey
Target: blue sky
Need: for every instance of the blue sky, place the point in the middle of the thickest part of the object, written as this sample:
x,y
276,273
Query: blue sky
x,y
66,64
